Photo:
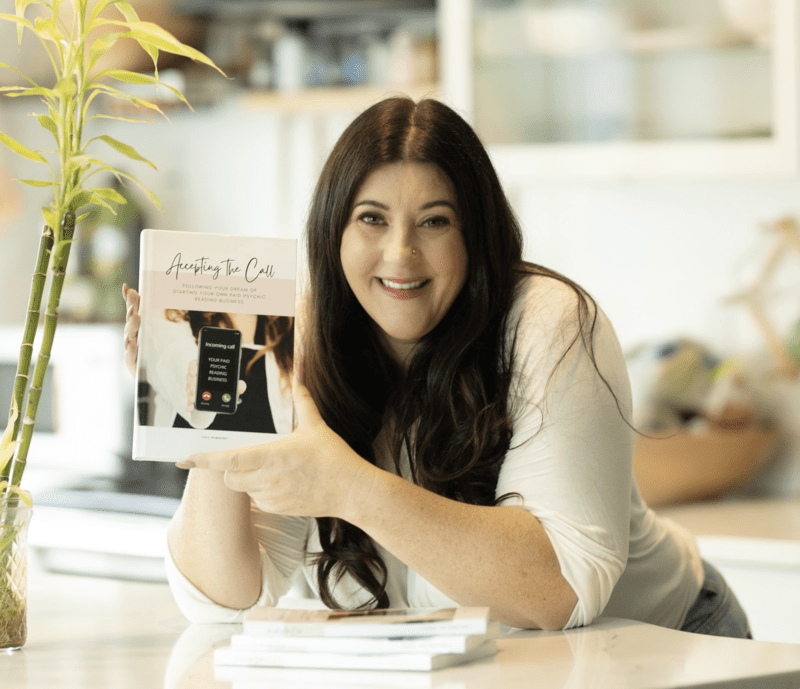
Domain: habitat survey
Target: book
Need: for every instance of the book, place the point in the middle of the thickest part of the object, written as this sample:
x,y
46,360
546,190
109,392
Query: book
x,y
216,342
451,643
259,677
407,662
398,622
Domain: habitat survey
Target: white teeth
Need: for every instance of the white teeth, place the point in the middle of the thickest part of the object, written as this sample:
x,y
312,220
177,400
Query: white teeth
x,y
403,285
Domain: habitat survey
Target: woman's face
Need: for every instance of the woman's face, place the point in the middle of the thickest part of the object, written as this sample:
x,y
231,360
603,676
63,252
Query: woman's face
x,y
402,251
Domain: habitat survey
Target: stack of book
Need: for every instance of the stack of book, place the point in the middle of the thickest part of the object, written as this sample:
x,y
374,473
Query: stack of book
x,y
398,639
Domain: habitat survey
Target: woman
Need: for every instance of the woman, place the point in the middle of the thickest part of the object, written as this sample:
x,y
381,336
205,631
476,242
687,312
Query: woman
x,y
462,432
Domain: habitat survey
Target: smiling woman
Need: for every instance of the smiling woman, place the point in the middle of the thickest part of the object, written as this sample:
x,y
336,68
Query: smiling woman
x,y
402,252
462,426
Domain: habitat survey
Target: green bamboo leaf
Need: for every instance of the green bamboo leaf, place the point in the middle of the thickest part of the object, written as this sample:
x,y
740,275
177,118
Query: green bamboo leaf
x,y
21,23
117,117
127,76
20,7
100,47
96,11
50,217
111,195
35,182
47,122
139,78
18,91
19,149
127,11
22,74
124,149
7,451
149,34
82,198
106,90
47,28
100,201
120,175
7,445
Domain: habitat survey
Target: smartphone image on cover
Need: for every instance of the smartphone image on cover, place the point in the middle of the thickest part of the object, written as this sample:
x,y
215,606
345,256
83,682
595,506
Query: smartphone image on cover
x,y
220,351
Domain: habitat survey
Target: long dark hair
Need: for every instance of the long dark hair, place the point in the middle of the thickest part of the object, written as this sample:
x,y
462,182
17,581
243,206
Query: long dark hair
x,y
450,409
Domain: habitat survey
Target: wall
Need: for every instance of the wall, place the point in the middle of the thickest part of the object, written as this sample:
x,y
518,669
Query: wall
x,y
659,256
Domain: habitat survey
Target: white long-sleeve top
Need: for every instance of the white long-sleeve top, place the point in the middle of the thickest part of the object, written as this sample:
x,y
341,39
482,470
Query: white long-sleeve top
x,y
570,463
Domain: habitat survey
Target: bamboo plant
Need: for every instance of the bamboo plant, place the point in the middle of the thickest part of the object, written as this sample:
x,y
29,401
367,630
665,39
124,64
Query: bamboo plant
x,y
74,47
75,35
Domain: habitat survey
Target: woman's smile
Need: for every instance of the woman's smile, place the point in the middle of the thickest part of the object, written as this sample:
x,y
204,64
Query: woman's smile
x,y
402,251
403,289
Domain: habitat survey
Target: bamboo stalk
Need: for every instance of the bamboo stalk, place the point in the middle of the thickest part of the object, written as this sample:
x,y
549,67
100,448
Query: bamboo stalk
x,y
29,335
59,267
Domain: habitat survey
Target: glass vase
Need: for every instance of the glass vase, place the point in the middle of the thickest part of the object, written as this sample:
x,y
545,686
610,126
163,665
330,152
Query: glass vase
x,y
14,519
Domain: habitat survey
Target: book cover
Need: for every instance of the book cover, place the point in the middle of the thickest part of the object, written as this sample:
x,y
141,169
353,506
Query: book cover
x,y
451,643
408,662
216,342
266,621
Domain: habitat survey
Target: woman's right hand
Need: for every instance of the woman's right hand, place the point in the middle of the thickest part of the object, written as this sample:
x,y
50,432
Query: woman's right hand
x,y
132,323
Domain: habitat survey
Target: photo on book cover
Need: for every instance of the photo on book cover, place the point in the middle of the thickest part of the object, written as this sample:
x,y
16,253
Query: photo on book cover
x,y
216,342
238,377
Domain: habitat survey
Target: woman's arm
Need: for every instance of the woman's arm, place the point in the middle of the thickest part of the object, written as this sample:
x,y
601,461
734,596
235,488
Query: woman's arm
x,y
498,557
213,544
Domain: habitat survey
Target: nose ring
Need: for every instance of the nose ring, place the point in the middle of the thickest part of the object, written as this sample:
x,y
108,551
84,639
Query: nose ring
x,y
413,252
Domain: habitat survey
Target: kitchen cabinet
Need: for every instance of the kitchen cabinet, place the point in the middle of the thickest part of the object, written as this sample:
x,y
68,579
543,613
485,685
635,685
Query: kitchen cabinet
x,y
756,546
623,89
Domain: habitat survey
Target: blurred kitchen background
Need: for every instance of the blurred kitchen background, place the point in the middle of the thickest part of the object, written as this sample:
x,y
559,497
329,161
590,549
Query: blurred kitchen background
x,y
649,147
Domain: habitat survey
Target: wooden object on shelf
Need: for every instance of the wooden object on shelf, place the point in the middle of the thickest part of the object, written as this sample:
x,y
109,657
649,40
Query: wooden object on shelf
x,y
689,466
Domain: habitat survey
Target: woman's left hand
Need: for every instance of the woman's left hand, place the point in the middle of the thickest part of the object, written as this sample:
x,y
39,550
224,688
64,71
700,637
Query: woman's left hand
x,y
312,472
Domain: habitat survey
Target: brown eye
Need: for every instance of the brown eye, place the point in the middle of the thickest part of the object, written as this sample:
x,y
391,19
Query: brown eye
x,y
371,218
436,221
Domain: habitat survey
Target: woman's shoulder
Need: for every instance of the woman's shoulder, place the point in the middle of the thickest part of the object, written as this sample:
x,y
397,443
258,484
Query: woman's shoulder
x,y
548,304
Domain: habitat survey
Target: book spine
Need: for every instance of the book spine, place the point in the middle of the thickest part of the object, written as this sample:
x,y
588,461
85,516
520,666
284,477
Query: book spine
x,y
282,644
448,628
412,662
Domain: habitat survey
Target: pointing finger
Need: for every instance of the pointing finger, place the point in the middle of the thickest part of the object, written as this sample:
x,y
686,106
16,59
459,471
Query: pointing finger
x,y
243,459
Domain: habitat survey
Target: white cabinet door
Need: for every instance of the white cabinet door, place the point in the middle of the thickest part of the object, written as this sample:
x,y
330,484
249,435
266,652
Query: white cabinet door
x,y
617,88
765,576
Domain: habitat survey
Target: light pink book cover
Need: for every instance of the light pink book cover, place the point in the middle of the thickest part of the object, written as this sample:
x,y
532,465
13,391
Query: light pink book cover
x,y
216,342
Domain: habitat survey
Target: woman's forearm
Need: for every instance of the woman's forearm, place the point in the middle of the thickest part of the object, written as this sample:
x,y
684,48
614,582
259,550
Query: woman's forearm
x,y
212,542
499,557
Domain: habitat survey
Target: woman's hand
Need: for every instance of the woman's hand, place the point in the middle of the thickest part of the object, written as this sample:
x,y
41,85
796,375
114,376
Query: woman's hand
x,y
312,472
132,323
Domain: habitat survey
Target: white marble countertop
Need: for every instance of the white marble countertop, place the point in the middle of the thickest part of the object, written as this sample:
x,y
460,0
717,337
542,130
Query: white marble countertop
x,y
92,633
770,519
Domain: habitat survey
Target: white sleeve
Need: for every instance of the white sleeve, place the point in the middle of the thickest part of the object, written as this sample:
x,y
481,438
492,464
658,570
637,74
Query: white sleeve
x,y
282,541
570,456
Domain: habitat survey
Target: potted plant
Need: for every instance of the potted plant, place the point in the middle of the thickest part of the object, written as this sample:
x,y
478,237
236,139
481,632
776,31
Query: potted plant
x,y
75,35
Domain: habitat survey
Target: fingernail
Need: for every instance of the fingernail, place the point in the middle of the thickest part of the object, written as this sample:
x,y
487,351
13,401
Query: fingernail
x,y
185,464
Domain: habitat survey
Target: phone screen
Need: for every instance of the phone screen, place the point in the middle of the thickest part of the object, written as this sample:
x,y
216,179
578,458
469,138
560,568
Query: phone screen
x,y
218,370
